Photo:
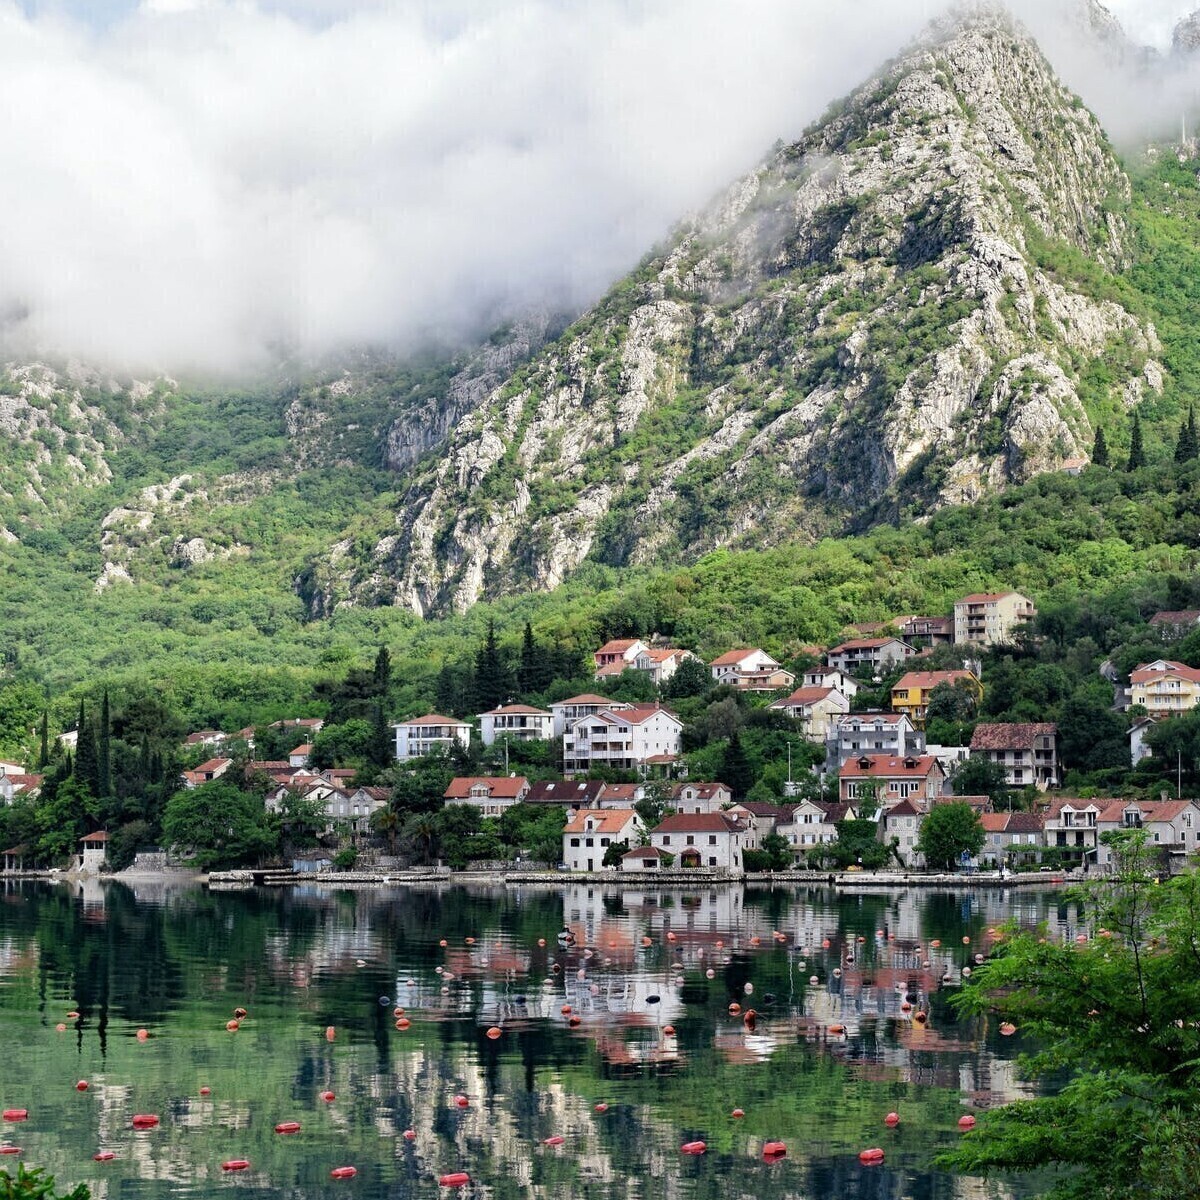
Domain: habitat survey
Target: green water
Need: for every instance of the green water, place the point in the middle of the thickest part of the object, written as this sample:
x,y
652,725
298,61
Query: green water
x,y
177,962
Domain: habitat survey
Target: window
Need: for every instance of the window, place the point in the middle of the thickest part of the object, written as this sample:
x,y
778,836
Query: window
x,y
589,841
712,839
666,839
575,842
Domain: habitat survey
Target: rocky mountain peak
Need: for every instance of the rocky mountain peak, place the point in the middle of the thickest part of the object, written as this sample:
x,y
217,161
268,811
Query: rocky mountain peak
x,y
891,313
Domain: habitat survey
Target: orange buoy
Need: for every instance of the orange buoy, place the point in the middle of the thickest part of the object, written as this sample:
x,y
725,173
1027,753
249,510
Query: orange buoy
x,y
967,1122
442,942
668,1031
403,1023
240,1013
144,1121
737,1113
555,1140
756,941
142,1035
774,1149
871,1158
410,1135
60,1028
397,1011
1007,1029
602,1107
574,1022
837,1030
7,1149
288,1127
494,1032
935,943
892,1120
541,941
734,1009
693,1148
920,1017
647,941
232,1026
206,1091
343,1173
455,1179
905,1006
72,1015
565,1010
330,1033
103,1156
328,1097
235,1164
469,941
966,940
462,1101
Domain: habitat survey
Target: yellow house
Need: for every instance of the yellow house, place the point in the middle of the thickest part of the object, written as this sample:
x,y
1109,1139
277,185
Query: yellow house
x,y
1165,688
911,693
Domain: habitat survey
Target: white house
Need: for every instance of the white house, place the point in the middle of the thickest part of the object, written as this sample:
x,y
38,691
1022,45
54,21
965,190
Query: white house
x,y
206,772
300,756
831,677
590,832
517,723
903,823
421,735
1070,826
811,824
750,671
642,858
1171,826
872,655
623,739
660,665
1139,747
816,708
701,797
712,840
567,712
856,734
617,656
491,794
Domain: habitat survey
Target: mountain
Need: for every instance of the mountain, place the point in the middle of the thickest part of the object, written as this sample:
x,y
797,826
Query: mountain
x,y
916,303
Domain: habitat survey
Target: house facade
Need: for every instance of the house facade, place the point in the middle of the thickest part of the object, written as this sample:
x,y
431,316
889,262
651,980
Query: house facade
x,y
870,656
517,723
624,739
1139,746
750,671
889,779
617,656
1171,827
831,677
810,824
590,832
1028,752
697,797
711,840
423,735
901,825
990,618
911,693
661,664
206,772
1071,828
490,794
567,712
927,631
1165,688
816,709
1173,625
857,734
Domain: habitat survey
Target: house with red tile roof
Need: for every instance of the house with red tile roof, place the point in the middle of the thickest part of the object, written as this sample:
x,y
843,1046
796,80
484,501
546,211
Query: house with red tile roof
x,y
566,712
696,796
420,736
490,794
911,692
716,841
661,663
750,671
872,656
901,825
1172,827
624,739
1165,688
890,779
856,734
588,835
515,723
810,824
206,772
1028,751
1070,825
617,656
816,708
570,794
1172,625
642,858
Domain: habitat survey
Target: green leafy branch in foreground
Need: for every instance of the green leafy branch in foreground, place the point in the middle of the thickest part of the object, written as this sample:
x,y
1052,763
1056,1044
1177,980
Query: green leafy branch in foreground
x,y
35,1184
1118,1012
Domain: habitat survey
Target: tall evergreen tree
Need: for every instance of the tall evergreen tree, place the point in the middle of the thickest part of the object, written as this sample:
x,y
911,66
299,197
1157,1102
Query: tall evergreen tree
x,y
104,750
1185,447
1099,448
382,749
44,748
492,683
382,673
1137,452
535,672
736,770
87,755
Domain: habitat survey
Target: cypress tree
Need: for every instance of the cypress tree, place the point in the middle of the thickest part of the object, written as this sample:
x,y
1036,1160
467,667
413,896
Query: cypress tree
x,y
104,750
535,672
87,754
1099,448
491,673
44,751
382,750
1137,452
382,674
1186,448
736,770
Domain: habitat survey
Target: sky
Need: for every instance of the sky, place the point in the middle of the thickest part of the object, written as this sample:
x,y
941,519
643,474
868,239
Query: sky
x,y
197,185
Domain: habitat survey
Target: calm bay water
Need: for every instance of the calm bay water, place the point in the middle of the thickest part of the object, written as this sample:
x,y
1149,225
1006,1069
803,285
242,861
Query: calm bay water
x,y
177,962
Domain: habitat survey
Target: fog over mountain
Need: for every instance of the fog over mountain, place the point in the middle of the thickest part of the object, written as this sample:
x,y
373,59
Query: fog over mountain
x,y
203,184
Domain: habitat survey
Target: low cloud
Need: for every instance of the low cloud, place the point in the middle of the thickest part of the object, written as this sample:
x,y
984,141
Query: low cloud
x,y
202,184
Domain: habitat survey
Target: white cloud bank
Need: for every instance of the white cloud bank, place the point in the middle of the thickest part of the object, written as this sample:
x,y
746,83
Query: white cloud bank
x,y
202,181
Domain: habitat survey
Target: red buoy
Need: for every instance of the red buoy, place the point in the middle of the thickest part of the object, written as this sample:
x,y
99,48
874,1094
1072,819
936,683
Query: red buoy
x,y
103,1156
235,1164
410,1135
330,1033
7,1149
72,1016
774,1149
343,1173
738,1113
892,1120
143,1035
967,1122
232,1026
462,1101
240,1013
494,1032
403,1023
556,1140
82,1086
144,1121
871,1158
693,1148
602,1107
668,1031
60,1028
206,1091
454,1179
288,1127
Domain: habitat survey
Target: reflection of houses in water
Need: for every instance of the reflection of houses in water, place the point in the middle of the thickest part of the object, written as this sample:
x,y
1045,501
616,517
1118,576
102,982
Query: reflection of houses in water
x,y
90,891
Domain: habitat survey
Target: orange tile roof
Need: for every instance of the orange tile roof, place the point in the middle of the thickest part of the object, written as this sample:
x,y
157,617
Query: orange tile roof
x,y
500,787
604,820
888,766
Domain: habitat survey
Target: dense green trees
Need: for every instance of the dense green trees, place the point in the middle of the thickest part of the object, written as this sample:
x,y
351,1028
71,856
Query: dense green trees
x,y
947,833
220,825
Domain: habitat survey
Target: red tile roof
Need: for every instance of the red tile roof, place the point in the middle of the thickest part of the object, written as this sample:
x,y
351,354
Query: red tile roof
x,y
1015,736
888,766
586,698
984,597
566,791
603,820
1144,674
731,658
905,808
927,680
803,696
1186,616
500,787
515,710
618,646
864,644
699,823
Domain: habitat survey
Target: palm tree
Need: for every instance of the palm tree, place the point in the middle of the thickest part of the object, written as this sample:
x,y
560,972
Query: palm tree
x,y
422,834
386,821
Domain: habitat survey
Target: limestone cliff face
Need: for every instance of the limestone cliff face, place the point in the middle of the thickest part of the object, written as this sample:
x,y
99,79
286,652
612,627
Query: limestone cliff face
x,y
895,312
